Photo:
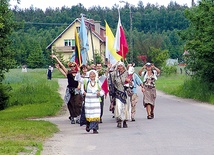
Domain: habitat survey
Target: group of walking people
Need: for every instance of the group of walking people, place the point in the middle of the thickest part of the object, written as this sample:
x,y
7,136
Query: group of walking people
x,y
85,95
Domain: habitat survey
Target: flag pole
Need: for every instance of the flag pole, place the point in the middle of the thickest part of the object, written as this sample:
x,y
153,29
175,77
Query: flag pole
x,y
92,45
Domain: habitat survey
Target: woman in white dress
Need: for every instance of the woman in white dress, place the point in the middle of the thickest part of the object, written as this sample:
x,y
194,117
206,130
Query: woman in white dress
x,y
91,90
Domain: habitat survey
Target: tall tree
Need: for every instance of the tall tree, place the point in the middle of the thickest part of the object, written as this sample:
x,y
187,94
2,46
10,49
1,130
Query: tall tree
x,y
200,40
36,57
6,27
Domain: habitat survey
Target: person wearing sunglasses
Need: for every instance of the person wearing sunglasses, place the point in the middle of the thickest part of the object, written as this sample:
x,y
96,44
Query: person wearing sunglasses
x,y
72,98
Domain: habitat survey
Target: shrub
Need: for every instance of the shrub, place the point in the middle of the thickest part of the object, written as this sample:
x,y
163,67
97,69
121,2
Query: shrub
x,y
4,96
168,70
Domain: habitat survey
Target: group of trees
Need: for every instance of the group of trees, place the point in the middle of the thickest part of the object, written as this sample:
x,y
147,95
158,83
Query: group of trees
x,y
156,33
200,41
153,25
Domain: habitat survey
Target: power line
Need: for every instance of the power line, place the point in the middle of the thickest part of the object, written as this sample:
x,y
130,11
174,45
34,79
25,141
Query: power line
x,y
33,23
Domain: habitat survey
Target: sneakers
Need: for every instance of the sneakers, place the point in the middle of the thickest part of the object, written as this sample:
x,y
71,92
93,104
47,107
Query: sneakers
x,y
72,121
78,121
133,119
101,121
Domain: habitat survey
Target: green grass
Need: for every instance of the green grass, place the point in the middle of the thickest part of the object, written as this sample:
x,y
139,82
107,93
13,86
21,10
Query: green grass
x,y
32,96
171,83
186,87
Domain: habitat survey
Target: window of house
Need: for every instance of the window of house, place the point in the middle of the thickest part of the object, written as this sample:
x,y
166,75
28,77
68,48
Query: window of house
x,y
67,42
73,44
78,29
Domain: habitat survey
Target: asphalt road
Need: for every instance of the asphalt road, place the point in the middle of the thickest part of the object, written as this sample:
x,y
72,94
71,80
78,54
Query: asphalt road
x,y
180,127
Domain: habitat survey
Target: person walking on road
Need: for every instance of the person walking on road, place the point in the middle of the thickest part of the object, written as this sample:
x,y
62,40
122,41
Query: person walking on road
x,y
91,90
150,73
73,97
136,81
122,107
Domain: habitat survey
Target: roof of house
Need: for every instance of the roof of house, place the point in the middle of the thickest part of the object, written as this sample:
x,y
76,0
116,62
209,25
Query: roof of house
x,y
88,22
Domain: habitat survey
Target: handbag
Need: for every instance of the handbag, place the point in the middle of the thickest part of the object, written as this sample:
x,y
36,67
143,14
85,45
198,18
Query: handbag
x,y
129,91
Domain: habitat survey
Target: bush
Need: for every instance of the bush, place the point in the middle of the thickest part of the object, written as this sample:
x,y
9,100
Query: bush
x,y
4,96
168,70
196,89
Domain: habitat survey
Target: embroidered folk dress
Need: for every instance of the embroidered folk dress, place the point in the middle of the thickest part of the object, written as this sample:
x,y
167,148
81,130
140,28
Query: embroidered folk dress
x,y
92,102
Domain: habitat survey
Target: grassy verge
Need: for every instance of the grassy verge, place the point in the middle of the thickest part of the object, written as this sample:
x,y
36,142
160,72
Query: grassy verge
x,y
186,87
32,96
182,85
171,83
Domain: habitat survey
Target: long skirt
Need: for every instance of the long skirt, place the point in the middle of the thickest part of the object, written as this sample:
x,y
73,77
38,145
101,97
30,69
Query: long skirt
x,y
123,111
92,110
92,107
90,125
75,105
149,96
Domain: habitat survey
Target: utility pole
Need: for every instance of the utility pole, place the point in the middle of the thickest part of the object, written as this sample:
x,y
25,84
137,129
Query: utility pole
x,y
193,3
131,47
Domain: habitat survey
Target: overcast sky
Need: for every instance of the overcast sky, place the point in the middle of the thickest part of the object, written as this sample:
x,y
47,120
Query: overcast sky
x,y
43,4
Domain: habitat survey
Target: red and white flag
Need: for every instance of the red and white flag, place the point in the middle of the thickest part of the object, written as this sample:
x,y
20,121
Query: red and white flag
x,y
104,84
120,43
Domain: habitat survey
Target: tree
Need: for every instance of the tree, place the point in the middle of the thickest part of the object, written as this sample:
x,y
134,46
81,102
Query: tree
x,y
6,27
157,56
36,57
200,40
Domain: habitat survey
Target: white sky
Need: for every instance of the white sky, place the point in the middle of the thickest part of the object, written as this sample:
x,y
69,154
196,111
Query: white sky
x,y
43,4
